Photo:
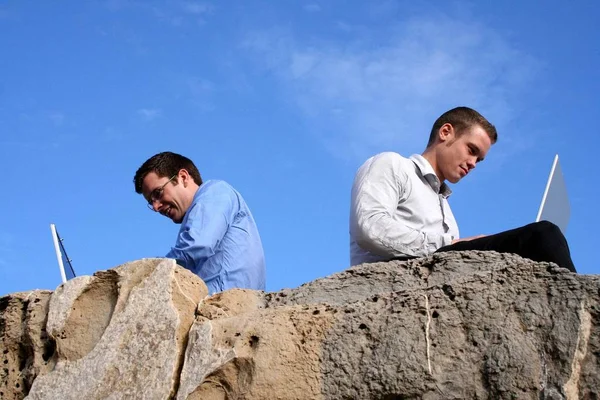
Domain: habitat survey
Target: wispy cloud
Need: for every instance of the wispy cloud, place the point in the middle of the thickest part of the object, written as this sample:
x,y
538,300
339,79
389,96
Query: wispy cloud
x,y
57,118
200,93
196,7
384,90
7,250
112,134
174,13
200,86
149,114
312,7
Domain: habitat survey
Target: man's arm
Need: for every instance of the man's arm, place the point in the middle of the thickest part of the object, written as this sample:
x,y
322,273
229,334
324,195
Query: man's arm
x,y
378,188
206,225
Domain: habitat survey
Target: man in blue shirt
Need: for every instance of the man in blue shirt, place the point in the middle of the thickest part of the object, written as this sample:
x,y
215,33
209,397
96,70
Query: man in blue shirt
x,y
218,239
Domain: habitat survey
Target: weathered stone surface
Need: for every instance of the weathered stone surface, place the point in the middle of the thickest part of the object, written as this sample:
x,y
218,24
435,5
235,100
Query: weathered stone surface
x,y
509,329
469,325
244,351
121,333
450,326
26,349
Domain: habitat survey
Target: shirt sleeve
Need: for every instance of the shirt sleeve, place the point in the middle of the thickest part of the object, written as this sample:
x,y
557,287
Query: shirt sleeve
x,y
203,230
378,189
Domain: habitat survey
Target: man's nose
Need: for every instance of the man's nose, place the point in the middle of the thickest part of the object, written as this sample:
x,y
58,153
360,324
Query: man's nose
x,y
156,205
471,163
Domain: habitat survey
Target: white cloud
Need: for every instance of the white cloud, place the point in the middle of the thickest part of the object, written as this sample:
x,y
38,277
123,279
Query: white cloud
x,y
200,93
149,114
112,134
195,7
199,86
117,5
385,92
343,26
4,14
312,7
174,13
57,118
7,248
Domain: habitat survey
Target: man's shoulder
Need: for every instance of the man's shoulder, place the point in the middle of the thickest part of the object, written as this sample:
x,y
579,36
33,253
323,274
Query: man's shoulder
x,y
215,189
392,158
215,185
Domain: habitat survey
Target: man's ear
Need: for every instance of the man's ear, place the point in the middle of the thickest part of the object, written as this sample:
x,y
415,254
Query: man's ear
x,y
446,132
185,177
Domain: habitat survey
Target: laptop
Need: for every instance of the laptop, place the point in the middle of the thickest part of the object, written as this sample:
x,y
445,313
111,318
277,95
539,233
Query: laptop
x,y
555,202
64,262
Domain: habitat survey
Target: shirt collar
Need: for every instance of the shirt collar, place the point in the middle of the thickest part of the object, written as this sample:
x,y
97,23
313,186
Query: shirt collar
x,y
429,174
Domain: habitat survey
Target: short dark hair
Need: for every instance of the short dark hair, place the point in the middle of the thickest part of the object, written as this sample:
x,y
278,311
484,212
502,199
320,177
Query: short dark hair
x,y
462,118
165,164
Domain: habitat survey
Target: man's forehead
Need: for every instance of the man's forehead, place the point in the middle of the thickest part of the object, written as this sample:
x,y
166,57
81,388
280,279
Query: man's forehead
x,y
479,137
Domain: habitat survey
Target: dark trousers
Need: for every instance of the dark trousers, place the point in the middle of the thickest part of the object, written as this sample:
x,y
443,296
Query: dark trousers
x,y
540,241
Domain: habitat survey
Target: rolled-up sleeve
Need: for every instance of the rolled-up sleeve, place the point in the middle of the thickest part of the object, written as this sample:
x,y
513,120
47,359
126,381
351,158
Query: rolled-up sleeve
x,y
378,189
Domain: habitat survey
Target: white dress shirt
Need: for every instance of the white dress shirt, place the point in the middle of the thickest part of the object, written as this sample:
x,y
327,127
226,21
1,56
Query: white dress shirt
x,y
398,209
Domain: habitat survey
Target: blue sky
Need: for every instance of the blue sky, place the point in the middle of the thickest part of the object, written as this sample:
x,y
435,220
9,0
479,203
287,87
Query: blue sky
x,y
284,100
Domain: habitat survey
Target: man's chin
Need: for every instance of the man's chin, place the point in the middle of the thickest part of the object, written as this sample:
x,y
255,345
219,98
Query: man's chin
x,y
177,220
172,215
454,179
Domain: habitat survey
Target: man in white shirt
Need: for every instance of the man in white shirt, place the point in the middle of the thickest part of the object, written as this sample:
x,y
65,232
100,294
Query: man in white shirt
x,y
399,206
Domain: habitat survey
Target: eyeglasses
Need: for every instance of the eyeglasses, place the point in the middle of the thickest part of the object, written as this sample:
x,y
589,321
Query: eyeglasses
x,y
157,193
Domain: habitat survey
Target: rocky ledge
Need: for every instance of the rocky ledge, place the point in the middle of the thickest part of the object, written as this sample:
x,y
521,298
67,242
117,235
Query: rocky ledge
x,y
469,325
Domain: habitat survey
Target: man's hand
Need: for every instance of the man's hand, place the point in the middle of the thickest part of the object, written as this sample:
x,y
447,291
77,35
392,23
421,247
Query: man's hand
x,y
468,238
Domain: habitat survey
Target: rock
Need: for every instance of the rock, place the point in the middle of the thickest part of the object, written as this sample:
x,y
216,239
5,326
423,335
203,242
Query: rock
x,y
246,351
121,333
450,326
455,325
26,349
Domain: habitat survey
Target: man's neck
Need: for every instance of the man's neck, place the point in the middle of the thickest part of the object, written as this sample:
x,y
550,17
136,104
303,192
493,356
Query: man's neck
x,y
194,191
430,155
190,195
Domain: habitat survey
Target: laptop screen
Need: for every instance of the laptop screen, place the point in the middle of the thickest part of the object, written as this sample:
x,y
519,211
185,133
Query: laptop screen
x,y
555,202
64,262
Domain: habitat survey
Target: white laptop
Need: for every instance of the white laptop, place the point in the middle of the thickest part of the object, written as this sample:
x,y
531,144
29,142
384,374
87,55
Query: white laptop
x,y
555,202
64,262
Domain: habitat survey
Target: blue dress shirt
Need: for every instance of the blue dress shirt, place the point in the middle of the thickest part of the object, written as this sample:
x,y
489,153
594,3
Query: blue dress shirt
x,y
219,241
